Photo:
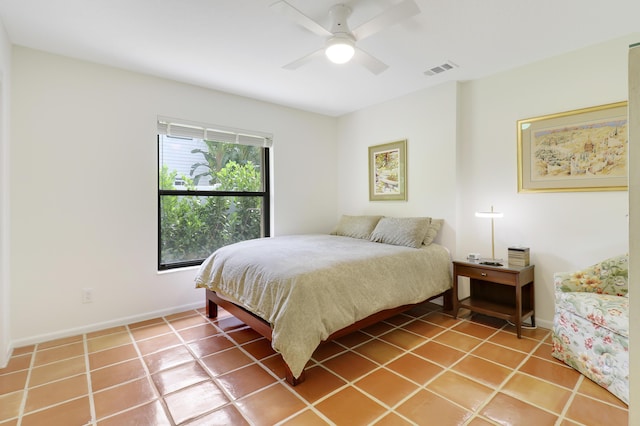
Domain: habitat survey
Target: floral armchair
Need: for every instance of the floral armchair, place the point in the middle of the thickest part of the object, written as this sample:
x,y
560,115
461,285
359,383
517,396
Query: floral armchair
x,y
591,323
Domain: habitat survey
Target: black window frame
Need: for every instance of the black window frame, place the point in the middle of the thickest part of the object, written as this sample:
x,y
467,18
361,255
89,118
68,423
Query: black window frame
x,y
265,194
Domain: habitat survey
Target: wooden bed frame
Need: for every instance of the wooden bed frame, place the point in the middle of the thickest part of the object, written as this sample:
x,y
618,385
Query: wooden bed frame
x,y
263,327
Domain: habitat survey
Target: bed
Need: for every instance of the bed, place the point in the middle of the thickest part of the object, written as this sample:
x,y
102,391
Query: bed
x,y
301,290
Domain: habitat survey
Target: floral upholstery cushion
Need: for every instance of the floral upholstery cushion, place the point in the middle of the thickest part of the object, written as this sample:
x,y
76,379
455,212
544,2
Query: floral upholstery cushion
x,y
607,277
603,310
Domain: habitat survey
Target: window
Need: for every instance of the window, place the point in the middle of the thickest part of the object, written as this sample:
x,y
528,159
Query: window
x,y
213,190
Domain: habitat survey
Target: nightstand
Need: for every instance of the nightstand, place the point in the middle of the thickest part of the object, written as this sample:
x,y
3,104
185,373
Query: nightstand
x,y
505,292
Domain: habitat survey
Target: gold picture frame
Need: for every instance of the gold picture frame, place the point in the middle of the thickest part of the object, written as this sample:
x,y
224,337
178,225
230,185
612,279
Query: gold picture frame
x,y
388,171
580,150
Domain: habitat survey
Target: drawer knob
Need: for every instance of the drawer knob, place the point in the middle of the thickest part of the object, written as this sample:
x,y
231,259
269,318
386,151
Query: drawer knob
x,y
484,274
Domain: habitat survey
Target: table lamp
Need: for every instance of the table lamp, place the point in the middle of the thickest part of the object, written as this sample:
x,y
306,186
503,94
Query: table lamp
x,y
492,215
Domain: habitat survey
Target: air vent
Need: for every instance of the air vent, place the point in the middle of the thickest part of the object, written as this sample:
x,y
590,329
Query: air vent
x,y
440,69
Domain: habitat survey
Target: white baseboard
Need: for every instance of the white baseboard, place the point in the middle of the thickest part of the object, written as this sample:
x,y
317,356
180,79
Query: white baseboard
x,y
102,325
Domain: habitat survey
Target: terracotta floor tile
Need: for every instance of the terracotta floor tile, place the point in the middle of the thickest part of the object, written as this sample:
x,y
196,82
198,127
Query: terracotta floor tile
x,y
210,345
488,321
392,419
148,414
271,405
188,321
457,340
399,319
17,363
108,341
179,377
327,350
305,418
244,335
225,361
350,407
201,331
13,381
57,370
443,320
158,343
403,339
58,353
590,388
229,323
123,397
425,405
378,328
589,411
111,330
146,323
353,339
483,371
551,371
318,383
507,410
537,392
461,390
191,402
56,392
475,330
536,333
414,368
259,349
423,328
479,421
507,357
349,365
511,341
76,412
10,405
227,415
441,354
184,314
23,350
544,352
60,342
379,351
276,365
117,373
166,359
385,386
112,356
149,331
245,380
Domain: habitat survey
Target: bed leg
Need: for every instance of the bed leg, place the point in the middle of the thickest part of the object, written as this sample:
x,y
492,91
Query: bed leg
x,y
447,301
293,381
211,306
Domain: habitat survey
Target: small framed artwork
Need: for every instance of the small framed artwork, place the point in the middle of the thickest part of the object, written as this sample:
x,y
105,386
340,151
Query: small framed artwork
x,y
388,171
580,150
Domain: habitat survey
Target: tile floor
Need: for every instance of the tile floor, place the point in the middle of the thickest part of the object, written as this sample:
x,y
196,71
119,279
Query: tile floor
x,y
422,367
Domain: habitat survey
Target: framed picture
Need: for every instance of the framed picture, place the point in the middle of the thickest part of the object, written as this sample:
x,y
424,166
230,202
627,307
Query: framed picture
x,y
388,171
581,150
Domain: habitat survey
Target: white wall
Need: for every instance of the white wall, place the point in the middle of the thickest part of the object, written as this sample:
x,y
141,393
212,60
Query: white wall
x,y
84,189
5,305
634,231
564,231
427,119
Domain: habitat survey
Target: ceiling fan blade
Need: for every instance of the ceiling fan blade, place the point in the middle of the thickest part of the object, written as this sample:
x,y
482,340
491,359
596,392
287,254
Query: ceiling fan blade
x,y
304,60
389,17
370,62
300,18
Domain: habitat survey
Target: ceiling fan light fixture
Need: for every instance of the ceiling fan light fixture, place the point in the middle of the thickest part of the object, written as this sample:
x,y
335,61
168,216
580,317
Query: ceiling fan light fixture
x,y
340,49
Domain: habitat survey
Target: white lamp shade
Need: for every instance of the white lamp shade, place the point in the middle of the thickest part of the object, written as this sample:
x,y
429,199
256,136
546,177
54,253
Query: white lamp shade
x,y
340,50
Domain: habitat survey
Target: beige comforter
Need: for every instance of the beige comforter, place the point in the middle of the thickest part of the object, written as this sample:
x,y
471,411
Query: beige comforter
x,y
309,286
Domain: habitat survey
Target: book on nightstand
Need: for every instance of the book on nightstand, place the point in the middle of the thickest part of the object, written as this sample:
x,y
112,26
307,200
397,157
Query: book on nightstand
x,y
518,256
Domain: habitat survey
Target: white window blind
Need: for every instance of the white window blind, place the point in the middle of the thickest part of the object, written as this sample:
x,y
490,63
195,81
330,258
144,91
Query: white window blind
x,y
187,129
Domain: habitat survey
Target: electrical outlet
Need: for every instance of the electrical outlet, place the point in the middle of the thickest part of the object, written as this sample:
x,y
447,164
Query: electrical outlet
x,y
87,295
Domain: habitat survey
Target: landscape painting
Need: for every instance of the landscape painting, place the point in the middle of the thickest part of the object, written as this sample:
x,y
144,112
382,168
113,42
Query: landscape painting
x,y
581,150
387,171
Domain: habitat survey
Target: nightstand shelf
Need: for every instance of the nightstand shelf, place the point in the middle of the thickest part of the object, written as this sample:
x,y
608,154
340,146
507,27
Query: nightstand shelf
x,y
505,292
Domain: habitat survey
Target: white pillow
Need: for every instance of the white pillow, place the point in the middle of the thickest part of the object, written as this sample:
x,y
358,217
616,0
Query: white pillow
x,y
401,231
356,226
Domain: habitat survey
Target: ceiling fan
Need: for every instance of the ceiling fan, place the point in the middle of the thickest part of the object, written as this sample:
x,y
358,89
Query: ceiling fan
x,y
340,46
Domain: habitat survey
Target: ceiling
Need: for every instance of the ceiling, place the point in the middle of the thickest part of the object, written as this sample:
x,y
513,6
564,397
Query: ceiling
x,y
240,46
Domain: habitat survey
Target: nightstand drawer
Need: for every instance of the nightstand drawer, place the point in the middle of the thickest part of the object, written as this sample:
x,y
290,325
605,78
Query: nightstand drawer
x,y
475,272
